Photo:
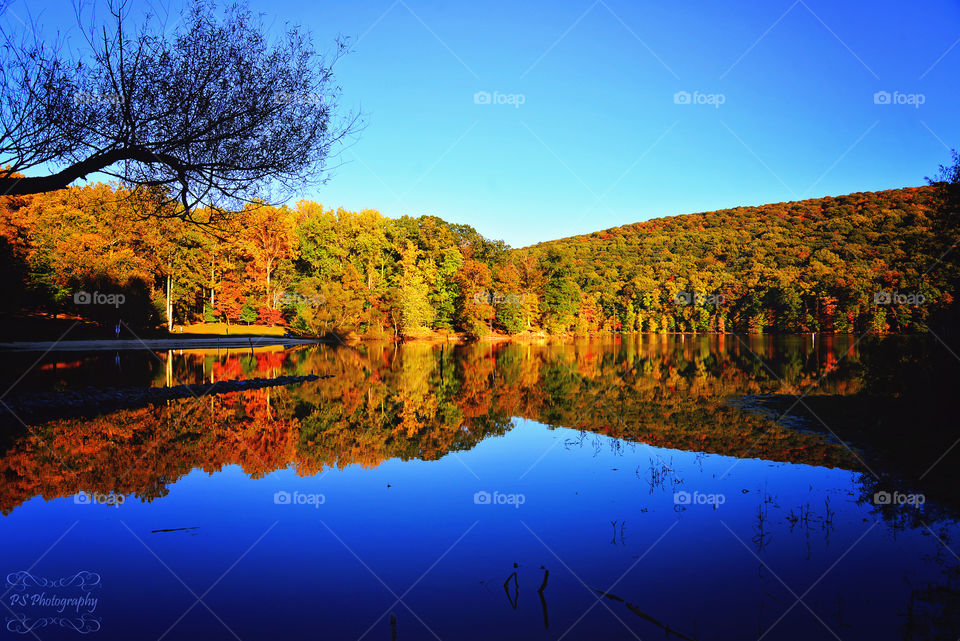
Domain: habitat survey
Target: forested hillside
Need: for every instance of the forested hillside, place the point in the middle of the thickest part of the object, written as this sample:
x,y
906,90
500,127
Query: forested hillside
x,y
867,261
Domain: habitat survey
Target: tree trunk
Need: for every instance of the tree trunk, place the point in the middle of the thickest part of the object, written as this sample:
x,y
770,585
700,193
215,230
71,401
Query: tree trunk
x,y
169,303
269,302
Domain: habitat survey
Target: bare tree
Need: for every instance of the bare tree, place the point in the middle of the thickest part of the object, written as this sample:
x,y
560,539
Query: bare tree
x,y
209,114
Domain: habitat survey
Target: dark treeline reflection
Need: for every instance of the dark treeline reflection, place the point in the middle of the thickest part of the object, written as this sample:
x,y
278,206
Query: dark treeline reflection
x,y
422,401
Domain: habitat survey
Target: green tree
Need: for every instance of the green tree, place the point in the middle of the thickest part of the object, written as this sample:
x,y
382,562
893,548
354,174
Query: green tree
x,y
415,309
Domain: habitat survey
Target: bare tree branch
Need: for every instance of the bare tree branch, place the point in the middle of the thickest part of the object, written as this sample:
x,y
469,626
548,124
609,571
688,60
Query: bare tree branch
x,y
210,112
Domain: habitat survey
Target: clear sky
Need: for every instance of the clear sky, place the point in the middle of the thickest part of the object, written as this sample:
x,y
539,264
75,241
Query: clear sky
x,y
781,105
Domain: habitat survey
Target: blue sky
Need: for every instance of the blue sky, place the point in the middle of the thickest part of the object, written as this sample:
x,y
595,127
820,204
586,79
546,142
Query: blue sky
x,y
600,139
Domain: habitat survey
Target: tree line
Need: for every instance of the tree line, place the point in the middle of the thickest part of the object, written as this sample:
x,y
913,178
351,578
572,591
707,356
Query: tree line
x,y
877,261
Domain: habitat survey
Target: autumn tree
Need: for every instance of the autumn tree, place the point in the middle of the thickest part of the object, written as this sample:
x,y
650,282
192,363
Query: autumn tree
x,y
475,303
268,237
507,299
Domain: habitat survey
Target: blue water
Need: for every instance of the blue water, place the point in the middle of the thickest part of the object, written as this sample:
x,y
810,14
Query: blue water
x,y
417,543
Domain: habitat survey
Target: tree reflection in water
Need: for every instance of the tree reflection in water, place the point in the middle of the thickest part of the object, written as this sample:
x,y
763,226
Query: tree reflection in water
x,y
423,402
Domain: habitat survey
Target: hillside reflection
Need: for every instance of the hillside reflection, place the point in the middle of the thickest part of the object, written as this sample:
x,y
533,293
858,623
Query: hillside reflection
x,y
420,401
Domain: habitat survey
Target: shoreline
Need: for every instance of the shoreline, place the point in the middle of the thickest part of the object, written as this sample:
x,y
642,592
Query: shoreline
x,y
244,342
107,344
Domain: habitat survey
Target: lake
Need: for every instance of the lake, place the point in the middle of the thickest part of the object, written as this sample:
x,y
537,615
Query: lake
x,y
638,488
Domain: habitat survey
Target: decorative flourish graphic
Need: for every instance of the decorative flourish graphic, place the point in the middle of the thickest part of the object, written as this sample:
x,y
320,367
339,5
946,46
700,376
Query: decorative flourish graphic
x,y
23,580
84,624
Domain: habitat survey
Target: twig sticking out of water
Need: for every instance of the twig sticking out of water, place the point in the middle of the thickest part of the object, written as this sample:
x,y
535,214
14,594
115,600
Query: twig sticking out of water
x,y
543,600
828,519
643,615
516,590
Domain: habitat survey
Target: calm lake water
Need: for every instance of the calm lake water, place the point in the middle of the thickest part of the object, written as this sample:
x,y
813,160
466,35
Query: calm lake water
x,y
590,490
